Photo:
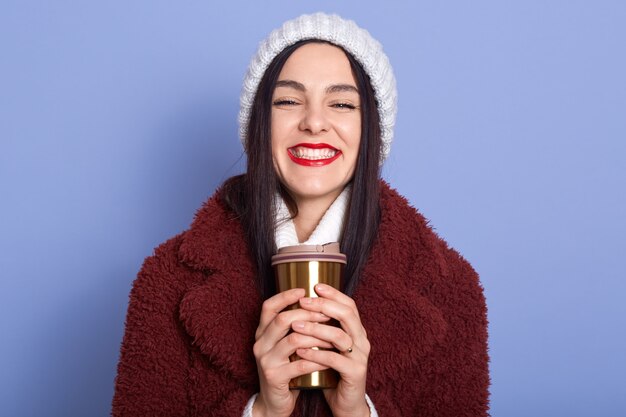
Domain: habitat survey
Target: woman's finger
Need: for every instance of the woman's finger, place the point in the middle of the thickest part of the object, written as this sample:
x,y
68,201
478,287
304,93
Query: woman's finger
x,y
279,354
346,316
294,341
275,304
351,366
298,368
281,325
326,291
339,338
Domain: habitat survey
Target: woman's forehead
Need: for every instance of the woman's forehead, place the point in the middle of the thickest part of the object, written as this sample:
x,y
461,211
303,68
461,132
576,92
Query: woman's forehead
x,y
320,66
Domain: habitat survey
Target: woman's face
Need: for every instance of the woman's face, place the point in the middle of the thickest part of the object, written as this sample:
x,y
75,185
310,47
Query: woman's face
x,y
316,123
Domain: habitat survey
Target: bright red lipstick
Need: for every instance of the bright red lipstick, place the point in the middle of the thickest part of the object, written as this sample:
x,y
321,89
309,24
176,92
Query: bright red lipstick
x,y
313,162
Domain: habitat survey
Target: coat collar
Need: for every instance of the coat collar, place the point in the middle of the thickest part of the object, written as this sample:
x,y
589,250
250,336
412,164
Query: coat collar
x,y
221,314
215,240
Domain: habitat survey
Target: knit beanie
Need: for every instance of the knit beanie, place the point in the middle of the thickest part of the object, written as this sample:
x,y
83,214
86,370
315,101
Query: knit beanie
x,y
338,31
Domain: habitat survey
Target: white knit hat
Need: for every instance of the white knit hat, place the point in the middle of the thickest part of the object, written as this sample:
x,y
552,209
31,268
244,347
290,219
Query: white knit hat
x,y
344,33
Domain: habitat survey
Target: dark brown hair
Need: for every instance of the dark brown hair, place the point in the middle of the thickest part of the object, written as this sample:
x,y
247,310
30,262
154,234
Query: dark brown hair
x,y
251,195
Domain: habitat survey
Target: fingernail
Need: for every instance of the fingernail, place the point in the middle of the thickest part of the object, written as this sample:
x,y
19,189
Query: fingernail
x,y
298,324
321,287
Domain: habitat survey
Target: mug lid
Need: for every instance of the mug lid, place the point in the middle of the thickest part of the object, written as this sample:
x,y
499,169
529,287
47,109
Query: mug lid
x,y
328,252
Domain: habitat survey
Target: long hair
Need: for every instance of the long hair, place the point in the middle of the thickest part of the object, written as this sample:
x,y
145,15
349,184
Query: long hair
x,y
252,195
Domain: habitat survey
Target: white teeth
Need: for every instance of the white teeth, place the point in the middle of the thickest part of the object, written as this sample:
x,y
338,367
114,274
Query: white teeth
x,y
312,154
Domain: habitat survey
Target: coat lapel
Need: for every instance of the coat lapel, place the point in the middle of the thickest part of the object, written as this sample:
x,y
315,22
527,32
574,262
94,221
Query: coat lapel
x,y
221,314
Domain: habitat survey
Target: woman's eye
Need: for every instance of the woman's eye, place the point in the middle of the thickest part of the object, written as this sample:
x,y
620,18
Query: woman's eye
x,y
344,106
284,102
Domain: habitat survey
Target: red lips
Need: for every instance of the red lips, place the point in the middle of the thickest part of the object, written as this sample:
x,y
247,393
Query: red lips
x,y
313,162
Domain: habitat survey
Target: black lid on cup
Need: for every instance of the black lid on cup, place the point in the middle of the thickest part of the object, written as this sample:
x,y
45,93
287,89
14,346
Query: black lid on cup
x,y
328,252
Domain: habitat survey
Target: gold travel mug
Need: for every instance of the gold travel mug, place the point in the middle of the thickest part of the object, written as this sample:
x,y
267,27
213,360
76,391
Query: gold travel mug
x,y
305,266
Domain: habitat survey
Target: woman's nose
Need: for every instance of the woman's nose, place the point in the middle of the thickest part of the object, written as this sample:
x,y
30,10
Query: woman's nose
x,y
314,120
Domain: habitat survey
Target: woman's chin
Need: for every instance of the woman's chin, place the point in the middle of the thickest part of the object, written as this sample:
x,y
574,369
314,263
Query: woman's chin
x,y
308,191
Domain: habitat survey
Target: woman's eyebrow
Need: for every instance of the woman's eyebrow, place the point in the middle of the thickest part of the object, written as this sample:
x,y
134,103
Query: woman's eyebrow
x,y
340,88
334,88
290,83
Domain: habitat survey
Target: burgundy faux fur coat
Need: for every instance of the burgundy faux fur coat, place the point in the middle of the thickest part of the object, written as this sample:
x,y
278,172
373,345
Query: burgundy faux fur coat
x,y
194,309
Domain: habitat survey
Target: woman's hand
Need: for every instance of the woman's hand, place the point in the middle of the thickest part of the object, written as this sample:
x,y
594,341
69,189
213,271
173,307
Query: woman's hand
x,y
348,399
272,350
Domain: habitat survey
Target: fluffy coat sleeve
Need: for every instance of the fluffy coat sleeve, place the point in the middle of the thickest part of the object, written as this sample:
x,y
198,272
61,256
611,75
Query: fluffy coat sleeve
x,y
459,377
151,375
426,317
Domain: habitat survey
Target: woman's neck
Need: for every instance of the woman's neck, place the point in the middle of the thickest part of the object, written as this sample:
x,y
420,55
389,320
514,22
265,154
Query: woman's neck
x,y
310,212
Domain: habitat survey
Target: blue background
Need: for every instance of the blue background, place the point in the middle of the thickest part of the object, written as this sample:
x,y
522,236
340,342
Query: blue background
x,y
119,118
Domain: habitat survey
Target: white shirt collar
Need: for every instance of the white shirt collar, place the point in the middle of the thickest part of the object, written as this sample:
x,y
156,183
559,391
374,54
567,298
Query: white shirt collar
x,y
328,229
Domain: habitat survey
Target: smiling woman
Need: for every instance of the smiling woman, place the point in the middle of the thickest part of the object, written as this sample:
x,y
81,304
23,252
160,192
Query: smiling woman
x,y
206,332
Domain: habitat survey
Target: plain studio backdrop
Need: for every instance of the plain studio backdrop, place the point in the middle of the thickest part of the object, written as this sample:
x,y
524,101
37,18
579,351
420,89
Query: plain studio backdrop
x,y
119,118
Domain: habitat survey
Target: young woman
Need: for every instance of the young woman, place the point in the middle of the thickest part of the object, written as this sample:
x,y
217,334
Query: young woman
x,y
206,334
